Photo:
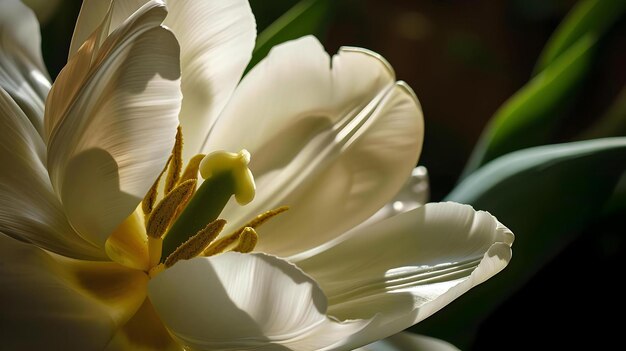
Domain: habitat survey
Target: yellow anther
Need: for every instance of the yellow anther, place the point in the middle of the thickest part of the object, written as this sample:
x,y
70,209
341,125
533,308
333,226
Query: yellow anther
x,y
265,216
220,245
176,164
191,171
147,205
262,218
165,211
236,164
197,243
247,240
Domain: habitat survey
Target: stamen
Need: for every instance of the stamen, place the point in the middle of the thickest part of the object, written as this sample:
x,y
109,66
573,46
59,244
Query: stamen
x,y
266,216
163,214
247,240
191,171
226,174
147,204
223,243
197,243
220,245
260,219
176,165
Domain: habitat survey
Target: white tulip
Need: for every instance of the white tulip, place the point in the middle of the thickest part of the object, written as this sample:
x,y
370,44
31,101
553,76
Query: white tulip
x,y
335,139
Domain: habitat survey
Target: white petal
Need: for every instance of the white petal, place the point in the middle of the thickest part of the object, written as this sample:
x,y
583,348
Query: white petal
x,y
409,342
114,138
403,269
414,193
216,41
29,208
54,303
93,12
332,142
22,72
245,301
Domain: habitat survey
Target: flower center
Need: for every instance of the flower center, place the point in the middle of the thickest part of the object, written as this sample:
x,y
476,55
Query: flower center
x,y
184,223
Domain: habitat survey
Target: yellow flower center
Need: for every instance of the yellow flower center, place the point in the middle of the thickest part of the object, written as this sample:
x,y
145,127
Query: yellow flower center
x,y
184,223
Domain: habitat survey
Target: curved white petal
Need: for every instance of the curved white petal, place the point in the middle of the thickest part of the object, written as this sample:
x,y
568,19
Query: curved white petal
x,y
238,301
414,193
403,269
93,12
29,208
409,342
22,72
55,303
118,131
334,141
216,40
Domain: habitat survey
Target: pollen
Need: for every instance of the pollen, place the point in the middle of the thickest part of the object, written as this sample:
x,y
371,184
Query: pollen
x,y
247,240
164,213
176,165
192,169
147,205
197,243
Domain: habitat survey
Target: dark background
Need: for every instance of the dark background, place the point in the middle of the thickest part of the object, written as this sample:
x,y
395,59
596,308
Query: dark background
x,y
464,59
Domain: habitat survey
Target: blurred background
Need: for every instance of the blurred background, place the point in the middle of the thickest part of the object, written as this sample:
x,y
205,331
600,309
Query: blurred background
x,y
464,59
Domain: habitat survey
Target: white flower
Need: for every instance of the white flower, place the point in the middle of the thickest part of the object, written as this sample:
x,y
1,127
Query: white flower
x,y
333,139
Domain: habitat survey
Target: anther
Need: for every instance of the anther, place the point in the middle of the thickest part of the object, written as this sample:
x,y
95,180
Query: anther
x,y
176,165
164,212
247,240
197,243
191,171
147,205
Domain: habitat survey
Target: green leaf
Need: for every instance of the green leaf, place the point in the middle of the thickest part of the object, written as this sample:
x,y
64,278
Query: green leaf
x,y
546,195
527,118
590,16
306,17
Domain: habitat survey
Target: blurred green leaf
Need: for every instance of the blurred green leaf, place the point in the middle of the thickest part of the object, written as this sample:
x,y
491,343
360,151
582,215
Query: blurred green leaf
x,y
612,123
546,195
589,16
527,118
306,17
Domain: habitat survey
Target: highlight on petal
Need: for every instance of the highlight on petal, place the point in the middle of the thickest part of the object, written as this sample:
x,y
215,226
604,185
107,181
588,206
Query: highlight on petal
x,y
22,72
29,208
414,193
93,12
112,141
239,301
216,41
405,268
409,342
333,140
49,302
